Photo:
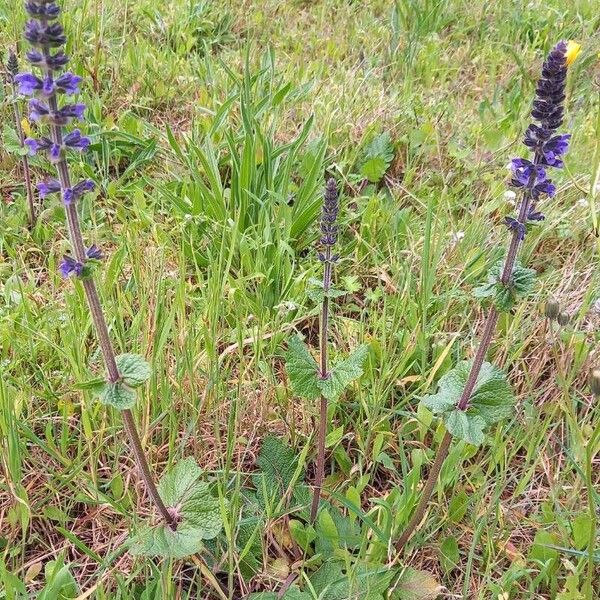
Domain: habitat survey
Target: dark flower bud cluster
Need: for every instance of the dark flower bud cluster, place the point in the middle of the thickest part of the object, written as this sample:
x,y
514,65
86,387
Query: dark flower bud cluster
x,y
329,228
531,176
46,35
12,64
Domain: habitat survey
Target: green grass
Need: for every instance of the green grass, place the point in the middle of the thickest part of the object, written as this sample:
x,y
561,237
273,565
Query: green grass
x,y
213,127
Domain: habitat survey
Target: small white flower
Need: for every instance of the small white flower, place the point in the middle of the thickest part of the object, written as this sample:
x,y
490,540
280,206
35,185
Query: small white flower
x,y
457,236
510,195
583,202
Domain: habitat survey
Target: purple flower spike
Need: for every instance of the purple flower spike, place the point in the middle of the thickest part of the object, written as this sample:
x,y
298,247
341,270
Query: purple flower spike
x,y
548,148
76,140
28,83
38,110
67,113
50,186
53,62
55,153
46,10
68,84
38,145
69,266
43,34
516,226
94,253
73,194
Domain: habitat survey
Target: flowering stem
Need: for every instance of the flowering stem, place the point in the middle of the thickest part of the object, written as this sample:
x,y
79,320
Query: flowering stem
x,y
320,467
99,320
463,403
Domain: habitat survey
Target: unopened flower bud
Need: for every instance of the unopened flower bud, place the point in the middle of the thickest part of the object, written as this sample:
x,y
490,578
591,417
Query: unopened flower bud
x,y
563,318
552,309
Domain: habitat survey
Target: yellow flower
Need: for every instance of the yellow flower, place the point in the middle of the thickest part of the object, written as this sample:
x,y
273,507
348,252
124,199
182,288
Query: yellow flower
x,y
25,126
573,50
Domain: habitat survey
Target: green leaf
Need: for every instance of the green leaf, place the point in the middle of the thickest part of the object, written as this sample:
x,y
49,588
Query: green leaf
x,y
344,373
581,527
303,535
117,395
277,463
374,169
60,583
520,285
377,158
302,370
464,426
96,386
416,585
458,506
133,369
367,582
163,541
11,142
449,554
197,511
491,400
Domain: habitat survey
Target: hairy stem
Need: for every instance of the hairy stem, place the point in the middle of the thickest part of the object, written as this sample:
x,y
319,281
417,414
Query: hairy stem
x,y
99,320
24,159
322,434
463,403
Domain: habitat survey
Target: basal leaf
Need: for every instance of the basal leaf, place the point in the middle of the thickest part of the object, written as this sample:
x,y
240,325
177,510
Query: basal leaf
x,y
180,482
344,373
302,370
196,510
367,582
134,369
374,169
163,541
117,395
277,463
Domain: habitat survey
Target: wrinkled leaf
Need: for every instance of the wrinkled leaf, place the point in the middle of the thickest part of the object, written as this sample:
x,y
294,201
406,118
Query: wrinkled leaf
x,y
491,400
344,373
504,296
117,395
199,516
133,369
302,370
